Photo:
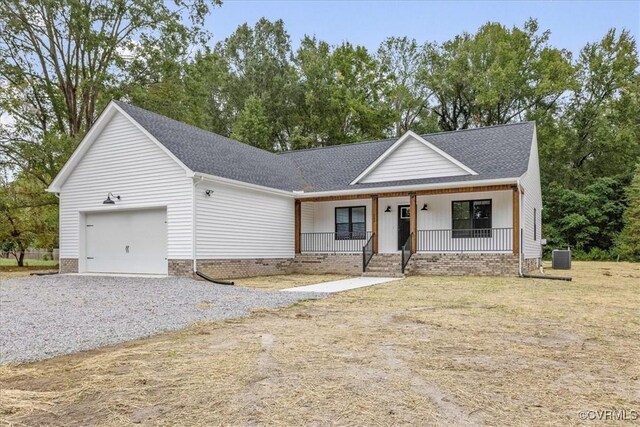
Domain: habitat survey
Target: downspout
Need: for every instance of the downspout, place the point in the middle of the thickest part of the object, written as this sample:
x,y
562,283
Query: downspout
x,y
60,263
520,236
195,223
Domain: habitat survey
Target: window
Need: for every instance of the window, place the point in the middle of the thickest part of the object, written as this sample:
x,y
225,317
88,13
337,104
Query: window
x,y
535,225
350,223
471,218
405,212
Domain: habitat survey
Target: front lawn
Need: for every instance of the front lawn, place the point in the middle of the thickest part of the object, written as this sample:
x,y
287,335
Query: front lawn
x,y
421,351
286,281
11,262
9,267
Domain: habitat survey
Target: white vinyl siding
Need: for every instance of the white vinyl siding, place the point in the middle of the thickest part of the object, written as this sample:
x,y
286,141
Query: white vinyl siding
x,y
307,216
123,160
532,199
236,223
413,160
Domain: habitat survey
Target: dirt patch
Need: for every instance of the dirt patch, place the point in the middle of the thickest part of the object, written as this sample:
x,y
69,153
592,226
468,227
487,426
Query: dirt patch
x,y
287,281
13,272
421,351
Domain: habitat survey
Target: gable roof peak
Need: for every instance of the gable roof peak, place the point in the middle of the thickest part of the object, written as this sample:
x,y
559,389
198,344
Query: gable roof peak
x,y
430,150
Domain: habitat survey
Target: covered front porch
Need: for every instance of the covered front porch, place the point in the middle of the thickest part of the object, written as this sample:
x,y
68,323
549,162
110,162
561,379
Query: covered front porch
x,y
475,219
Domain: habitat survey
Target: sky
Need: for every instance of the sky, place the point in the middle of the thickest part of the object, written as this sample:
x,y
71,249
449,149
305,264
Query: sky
x,y
368,23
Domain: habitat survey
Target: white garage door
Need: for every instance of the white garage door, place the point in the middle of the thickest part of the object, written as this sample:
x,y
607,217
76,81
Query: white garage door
x,y
127,242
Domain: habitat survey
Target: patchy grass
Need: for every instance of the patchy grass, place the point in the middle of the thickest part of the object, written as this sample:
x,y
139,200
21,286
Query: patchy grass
x,y
9,268
11,262
424,351
286,281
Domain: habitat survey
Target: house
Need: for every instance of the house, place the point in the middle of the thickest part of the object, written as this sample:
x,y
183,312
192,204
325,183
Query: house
x,y
143,193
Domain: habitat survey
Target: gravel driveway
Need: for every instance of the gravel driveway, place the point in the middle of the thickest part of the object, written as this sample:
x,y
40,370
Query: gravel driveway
x,y
41,317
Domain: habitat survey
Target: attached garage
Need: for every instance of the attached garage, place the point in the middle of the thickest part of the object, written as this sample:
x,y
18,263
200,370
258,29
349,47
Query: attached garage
x,y
127,241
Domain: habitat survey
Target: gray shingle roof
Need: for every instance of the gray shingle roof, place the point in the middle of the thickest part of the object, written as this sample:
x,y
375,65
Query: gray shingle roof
x,y
213,154
493,152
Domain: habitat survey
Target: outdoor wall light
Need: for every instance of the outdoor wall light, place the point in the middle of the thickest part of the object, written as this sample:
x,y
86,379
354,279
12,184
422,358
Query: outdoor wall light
x,y
109,201
208,193
424,207
388,209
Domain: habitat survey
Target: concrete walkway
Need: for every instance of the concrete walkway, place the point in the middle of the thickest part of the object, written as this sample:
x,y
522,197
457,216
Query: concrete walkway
x,y
342,285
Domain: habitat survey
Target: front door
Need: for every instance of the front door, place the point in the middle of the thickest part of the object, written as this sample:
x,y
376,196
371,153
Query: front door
x,y
403,225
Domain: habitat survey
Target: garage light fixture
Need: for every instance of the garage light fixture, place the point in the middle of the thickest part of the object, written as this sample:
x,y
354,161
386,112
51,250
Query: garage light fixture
x,y
108,201
424,207
388,209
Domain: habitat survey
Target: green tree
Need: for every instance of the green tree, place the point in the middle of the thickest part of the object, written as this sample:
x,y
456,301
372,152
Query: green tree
x,y
257,63
402,61
27,216
163,92
594,136
598,132
60,61
252,125
341,96
495,76
204,83
587,219
629,241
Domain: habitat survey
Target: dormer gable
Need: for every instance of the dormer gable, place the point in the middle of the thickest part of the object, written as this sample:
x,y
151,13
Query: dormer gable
x,y
412,157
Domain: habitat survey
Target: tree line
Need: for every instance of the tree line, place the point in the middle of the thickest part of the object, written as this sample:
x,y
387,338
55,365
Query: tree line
x,y
61,62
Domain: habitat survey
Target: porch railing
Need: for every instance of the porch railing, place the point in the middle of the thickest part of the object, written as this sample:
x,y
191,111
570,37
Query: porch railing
x,y
406,252
473,240
333,242
367,253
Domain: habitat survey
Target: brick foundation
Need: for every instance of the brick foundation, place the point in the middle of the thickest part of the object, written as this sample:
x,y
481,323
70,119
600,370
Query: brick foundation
x,y
327,263
68,265
236,268
455,264
180,267
530,264
448,264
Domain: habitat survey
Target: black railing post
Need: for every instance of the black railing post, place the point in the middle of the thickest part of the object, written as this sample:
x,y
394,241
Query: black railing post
x,y
367,252
364,258
405,258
